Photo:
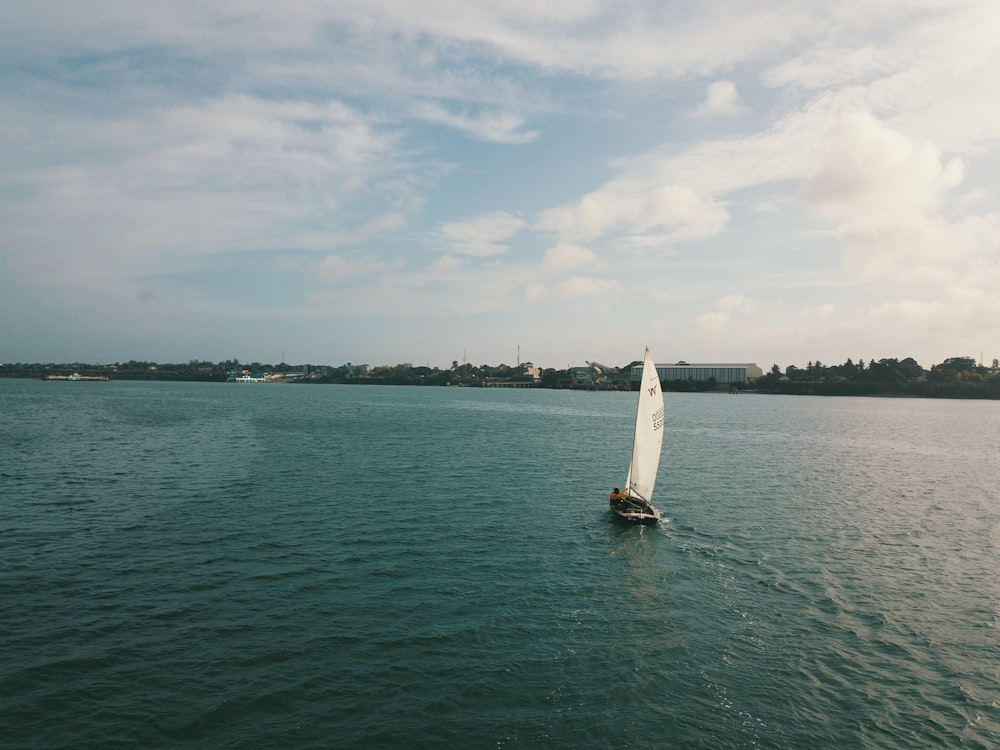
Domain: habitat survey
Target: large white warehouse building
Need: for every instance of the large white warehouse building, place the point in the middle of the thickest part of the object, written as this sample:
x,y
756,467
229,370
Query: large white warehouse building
x,y
724,373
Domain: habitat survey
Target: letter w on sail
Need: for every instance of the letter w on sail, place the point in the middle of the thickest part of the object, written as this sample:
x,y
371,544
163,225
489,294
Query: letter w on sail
x,y
652,390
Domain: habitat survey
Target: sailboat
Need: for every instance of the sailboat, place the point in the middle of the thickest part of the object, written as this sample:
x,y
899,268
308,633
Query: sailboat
x,y
634,505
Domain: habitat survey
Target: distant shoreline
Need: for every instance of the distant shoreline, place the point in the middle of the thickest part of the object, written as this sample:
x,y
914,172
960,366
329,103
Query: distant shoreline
x,y
964,394
955,378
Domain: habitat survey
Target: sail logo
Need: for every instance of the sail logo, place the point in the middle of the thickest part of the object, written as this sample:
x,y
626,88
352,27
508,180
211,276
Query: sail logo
x,y
652,390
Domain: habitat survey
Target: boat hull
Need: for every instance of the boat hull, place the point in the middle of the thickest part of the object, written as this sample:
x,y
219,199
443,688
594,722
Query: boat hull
x,y
645,515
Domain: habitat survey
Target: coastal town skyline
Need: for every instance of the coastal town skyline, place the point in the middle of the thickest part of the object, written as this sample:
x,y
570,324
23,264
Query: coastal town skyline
x,y
956,377
381,182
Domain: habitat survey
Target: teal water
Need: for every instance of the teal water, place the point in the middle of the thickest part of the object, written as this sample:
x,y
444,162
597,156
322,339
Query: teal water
x,y
276,566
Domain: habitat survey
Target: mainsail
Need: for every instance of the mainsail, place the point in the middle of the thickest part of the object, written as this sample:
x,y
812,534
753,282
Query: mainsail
x,y
648,440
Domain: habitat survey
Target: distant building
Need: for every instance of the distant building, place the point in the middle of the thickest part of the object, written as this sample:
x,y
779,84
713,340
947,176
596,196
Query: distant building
x,y
597,377
582,375
724,374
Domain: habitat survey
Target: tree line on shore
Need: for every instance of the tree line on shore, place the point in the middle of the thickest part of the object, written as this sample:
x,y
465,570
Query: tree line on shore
x,y
955,377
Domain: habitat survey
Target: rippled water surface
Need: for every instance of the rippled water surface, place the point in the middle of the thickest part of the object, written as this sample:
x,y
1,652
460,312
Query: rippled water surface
x,y
258,566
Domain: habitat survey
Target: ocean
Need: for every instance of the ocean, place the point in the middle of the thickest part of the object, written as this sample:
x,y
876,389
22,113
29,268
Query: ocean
x,y
291,566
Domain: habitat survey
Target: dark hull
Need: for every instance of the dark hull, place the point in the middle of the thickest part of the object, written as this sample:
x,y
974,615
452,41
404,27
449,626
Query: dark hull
x,y
643,514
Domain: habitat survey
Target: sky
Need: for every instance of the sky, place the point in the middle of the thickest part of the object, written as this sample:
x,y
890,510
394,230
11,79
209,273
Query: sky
x,y
380,182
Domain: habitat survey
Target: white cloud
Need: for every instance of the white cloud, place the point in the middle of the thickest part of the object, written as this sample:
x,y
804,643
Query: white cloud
x,y
733,302
886,192
867,167
584,286
686,213
589,218
714,323
567,257
718,322
600,291
721,99
497,127
638,214
482,236
448,264
144,190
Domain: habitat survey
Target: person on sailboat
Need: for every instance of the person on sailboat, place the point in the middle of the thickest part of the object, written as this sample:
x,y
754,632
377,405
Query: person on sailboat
x,y
617,495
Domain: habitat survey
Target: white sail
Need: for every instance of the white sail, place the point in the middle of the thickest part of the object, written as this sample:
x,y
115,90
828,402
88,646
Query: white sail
x,y
648,440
